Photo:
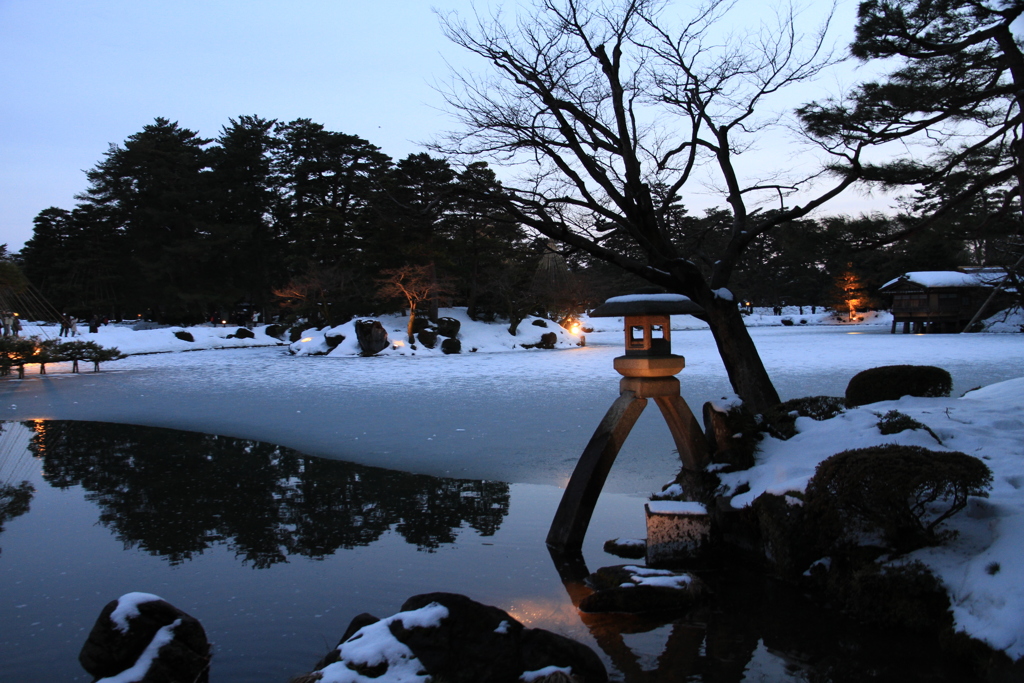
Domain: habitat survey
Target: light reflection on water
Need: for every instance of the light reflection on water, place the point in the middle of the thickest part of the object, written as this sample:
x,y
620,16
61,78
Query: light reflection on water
x,y
275,552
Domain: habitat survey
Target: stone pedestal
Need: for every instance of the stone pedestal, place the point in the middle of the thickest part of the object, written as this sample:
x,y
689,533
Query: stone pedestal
x,y
676,531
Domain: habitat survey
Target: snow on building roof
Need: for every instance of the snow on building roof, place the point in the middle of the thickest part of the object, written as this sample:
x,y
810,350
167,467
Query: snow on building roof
x,y
949,278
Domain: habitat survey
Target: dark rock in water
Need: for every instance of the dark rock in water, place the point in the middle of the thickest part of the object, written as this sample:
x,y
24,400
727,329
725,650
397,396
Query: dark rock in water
x,y
451,345
242,333
631,548
372,336
540,323
121,636
428,338
448,327
466,642
632,588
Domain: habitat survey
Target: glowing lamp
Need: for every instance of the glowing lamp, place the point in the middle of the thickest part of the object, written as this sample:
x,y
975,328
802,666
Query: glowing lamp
x,y
306,339
648,332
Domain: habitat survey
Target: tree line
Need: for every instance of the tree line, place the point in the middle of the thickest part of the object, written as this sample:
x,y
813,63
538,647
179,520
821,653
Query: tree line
x,y
293,218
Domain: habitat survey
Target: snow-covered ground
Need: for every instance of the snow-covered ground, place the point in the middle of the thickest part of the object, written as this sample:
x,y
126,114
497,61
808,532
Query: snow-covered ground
x,y
525,415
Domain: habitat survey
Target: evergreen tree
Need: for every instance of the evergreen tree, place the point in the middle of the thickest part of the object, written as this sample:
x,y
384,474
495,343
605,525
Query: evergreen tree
x,y
326,183
244,237
152,191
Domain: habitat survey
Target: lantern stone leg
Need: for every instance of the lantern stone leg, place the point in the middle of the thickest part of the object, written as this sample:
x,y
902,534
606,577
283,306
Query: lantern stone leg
x,y
577,505
580,497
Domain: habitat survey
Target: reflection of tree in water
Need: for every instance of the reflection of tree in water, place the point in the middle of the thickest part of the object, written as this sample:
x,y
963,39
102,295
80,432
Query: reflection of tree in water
x,y
175,493
15,498
14,501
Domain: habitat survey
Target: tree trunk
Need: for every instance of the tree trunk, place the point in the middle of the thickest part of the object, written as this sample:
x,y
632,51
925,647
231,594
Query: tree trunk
x,y
434,305
412,320
747,375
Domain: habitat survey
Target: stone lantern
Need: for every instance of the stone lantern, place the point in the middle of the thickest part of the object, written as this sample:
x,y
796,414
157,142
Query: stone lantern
x,y
648,371
648,332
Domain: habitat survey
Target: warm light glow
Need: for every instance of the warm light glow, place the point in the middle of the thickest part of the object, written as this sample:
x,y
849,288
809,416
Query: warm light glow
x,y
575,329
223,322
399,343
306,339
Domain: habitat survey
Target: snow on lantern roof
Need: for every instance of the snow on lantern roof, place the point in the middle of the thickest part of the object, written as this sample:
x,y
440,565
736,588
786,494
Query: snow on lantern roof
x,y
646,304
949,278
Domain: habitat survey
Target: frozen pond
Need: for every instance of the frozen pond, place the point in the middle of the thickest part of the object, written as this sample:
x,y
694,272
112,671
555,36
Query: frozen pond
x,y
519,417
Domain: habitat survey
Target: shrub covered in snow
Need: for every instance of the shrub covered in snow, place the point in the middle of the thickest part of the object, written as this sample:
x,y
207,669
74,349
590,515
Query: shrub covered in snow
x,y
780,421
891,382
902,493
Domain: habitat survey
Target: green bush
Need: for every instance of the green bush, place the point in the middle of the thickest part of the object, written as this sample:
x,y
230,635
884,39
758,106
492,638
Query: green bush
x,y
890,382
780,421
902,492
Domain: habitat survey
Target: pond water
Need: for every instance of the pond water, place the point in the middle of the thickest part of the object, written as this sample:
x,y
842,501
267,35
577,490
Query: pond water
x,y
275,551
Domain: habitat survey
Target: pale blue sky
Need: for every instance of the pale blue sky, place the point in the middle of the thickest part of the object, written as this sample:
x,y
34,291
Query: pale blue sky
x,y
80,74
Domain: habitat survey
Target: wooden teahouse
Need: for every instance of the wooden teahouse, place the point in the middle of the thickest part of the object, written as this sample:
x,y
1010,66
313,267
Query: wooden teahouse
x,y
940,301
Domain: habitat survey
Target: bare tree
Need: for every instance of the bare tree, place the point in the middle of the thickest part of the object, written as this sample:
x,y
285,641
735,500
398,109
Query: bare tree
x,y
415,284
613,114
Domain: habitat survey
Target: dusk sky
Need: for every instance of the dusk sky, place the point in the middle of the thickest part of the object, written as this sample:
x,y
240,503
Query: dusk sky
x,y
80,75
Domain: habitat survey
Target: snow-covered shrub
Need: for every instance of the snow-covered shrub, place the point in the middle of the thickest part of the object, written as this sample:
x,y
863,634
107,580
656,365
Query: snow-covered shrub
x,y
894,422
780,421
902,493
890,382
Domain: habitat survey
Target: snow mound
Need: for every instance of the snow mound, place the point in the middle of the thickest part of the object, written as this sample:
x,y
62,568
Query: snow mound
x,y
475,336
